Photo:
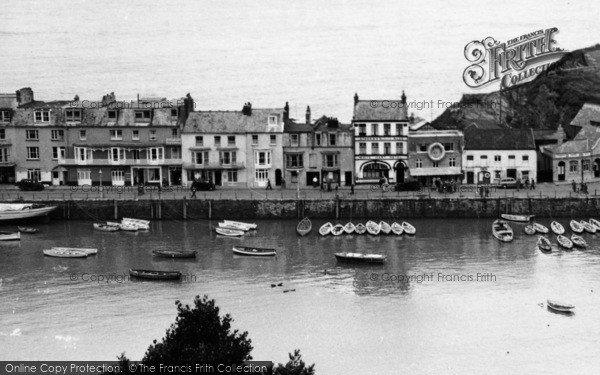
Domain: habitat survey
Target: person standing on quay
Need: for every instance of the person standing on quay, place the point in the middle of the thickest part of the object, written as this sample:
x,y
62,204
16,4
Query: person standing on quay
x,y
269,187
574,184
193,189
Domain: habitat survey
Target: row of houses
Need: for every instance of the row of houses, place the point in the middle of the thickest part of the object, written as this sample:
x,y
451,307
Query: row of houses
x,y
160,141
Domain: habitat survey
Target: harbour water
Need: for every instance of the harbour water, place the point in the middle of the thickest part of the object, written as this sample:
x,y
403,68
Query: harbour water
x,y
470,304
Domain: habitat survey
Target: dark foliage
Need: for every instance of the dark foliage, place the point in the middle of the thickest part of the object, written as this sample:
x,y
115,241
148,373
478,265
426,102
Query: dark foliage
x,y
295,366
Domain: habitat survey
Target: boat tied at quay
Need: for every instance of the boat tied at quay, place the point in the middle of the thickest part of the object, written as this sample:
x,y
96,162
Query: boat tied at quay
x,y
16,211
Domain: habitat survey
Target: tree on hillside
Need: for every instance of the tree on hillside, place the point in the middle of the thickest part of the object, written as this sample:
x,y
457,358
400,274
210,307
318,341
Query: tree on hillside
x,y
200,334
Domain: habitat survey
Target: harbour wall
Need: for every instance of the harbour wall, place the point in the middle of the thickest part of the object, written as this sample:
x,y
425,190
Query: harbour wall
x,y
336,208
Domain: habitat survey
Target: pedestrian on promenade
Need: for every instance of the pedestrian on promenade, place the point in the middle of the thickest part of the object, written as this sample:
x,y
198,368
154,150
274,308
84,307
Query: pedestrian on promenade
x,y
574,184
532,184
527,183
518,184
352,188
193,189
141,189
329,185
315,182
269,187
283,183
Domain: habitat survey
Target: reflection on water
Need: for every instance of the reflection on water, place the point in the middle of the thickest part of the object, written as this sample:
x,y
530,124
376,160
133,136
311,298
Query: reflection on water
x,y
450,299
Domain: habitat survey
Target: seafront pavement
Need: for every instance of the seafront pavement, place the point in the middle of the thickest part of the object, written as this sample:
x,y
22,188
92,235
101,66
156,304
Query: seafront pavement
x,y
545,190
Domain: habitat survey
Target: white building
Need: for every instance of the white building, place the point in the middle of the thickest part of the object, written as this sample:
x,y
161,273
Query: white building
x,y
234,148
493,154
380,140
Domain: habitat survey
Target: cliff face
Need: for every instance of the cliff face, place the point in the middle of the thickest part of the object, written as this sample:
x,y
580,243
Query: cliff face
x,y
551,100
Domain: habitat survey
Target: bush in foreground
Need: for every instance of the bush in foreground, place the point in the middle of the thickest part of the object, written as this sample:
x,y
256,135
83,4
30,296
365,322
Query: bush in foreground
x,y
200,334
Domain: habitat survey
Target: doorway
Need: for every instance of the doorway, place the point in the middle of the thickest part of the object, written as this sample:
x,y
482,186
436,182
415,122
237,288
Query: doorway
x,y
561,171
470,177
511,173
348,178
277,177
310,176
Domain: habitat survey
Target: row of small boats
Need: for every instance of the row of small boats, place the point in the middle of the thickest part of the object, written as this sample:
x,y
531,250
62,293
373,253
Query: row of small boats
x,y
370,227
232,228
126,224
15,236
503,232
545,246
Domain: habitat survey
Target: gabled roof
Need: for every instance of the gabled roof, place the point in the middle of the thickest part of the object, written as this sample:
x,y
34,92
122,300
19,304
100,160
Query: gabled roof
x,y
589,114
293,127
380,110
498,139
233,121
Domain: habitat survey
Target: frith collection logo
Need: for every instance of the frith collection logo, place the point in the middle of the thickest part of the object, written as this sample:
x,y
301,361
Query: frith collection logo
x,y
513,62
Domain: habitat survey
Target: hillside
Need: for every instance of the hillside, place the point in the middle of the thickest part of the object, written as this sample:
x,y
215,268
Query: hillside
x,y
552,99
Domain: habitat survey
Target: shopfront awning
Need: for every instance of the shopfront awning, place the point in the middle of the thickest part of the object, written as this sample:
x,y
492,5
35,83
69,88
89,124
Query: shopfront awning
x,y
59,168
422,172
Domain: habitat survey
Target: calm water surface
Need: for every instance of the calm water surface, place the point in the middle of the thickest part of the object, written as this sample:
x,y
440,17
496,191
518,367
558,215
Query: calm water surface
x,y
346,319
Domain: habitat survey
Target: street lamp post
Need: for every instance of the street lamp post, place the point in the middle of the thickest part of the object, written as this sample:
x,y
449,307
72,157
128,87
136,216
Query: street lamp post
x,y
101,193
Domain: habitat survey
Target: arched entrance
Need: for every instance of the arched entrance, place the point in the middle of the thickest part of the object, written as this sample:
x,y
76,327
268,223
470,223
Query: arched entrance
x,y
561,171
400,168
597,168
375,170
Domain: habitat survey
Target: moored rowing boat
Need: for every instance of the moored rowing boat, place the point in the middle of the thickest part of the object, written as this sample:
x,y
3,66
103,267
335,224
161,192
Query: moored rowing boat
x,y
397,228
58,253
325,229
360,228
358,257
408,228
304,226
10,236
502,231
349,228
557,228
588,227
229,232
564,241
520,218
155,275
373,228
337,229
174,253
540,228
385,227
576,226
254,251
559,306
544,245
578,241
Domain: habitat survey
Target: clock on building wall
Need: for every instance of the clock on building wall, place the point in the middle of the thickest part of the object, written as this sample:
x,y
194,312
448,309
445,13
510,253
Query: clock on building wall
x,y
436,152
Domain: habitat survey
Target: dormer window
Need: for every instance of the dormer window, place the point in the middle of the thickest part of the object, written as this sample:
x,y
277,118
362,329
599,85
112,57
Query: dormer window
x,y
142,116
112,115
174,112
272,120
73,115
4,116
42,115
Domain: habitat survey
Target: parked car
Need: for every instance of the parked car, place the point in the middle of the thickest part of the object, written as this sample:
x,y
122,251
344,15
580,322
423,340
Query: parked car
x,y
203,185
508,183
30,185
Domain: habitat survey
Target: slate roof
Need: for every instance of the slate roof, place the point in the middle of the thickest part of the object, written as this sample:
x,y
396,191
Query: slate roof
x,y
233,121
499,139
380,110
587,114
292,127
574,146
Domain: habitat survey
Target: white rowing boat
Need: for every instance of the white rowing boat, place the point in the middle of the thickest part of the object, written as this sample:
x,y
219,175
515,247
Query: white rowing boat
x,y
325,229
349,228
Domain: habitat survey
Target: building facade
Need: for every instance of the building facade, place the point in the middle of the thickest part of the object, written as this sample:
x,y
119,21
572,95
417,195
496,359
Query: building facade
x,y
435,154
8,105
492,154
318,153
234,148
380,140
578,159
81,142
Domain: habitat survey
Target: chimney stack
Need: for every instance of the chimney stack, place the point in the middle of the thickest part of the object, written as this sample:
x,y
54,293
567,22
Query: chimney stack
x,y
355,98
286,112
307,115
403,97
247,109
25,96
108,99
